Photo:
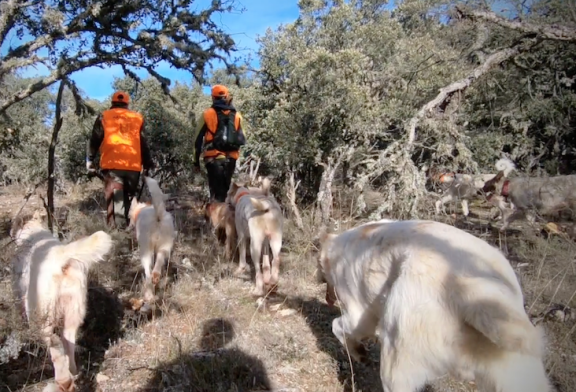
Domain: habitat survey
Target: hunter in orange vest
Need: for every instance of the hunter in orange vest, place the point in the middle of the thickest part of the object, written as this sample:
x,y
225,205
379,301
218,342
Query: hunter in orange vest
x,y
219,137
118,134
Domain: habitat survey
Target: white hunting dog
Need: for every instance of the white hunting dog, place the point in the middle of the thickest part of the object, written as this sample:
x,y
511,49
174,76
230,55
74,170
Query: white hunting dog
x,y
155,235
50,282
259,221
440,300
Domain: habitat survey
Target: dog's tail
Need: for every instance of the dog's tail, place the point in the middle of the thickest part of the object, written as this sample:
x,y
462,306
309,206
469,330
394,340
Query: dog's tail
x,y
157,198
86,251
482,305
505,165
260,204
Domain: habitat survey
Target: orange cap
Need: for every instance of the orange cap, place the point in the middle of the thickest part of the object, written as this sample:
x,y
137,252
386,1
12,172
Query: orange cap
x,y
219,91
121,96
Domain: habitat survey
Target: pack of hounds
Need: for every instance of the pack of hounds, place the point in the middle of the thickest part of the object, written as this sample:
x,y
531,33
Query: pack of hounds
x,y
439,300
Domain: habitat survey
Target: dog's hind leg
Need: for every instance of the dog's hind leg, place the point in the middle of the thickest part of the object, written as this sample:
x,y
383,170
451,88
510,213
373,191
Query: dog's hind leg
x,y
276,246
443,200
265,263
60,361
256,242
242,265
465,209
400,370
147,258
161,257
70,346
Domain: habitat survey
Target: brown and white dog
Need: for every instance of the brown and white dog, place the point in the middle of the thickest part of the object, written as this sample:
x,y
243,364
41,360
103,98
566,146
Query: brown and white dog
x,y
155,234
259,222
465,187
440,300
544,195
221,219
50,282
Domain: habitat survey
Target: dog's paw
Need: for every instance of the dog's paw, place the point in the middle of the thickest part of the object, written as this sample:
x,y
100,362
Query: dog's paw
x,y
239,271
272,288
257,292
155,277
360,354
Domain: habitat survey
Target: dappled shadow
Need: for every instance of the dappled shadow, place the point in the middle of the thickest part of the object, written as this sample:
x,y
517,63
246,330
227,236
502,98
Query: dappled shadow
x,y
319,318
102,327
214,368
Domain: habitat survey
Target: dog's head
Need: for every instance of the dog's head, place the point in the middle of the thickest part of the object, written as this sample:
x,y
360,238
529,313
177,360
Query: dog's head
x,y
235,188
323,266
24,224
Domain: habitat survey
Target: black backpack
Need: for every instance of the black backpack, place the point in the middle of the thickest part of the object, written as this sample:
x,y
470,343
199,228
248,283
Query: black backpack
x,y
227,138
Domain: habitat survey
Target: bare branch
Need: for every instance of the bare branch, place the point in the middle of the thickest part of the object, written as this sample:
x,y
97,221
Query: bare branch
x,y
51,153
461,85
557,33
81,106
291,194
62,70
104,33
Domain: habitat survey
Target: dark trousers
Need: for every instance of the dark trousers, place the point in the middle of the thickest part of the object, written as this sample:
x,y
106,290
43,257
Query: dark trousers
x,y
220,173
124,180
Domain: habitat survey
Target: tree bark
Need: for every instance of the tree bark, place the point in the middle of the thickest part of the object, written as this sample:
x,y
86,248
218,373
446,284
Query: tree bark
x,y
292,187
556,33
51,152
461,85
324,198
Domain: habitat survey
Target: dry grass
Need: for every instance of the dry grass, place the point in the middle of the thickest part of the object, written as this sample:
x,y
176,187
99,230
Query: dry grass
x,y
207,333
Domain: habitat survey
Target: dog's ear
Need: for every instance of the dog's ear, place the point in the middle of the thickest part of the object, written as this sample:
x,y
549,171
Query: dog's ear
x,y
233,188
325,236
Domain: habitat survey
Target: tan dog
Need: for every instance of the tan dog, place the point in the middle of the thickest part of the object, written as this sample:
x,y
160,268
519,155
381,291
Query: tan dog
x,y
440,300
155,234
50,279
258,221
221,218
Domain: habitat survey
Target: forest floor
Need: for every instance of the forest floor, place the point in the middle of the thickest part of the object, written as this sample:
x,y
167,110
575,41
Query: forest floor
x,y
207,332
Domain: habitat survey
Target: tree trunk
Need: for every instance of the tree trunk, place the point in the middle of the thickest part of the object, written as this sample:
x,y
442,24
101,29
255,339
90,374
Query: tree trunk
x,y
292,187
51,152
324,198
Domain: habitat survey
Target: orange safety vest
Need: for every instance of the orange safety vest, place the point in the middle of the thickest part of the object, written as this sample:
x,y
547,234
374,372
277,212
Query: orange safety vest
x,y
120,149
211,121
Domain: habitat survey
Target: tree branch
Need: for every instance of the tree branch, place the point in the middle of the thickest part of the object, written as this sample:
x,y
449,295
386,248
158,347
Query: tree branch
x,y
51,153
103,33
556,33
461,85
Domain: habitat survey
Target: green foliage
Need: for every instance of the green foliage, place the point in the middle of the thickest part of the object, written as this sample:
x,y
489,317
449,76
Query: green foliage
x,y
24,131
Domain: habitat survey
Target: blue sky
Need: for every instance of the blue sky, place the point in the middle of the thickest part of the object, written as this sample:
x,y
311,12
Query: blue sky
x,y
244,27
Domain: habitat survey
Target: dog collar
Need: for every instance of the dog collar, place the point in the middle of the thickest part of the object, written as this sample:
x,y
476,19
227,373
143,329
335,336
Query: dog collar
x,y
238,196
505,188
